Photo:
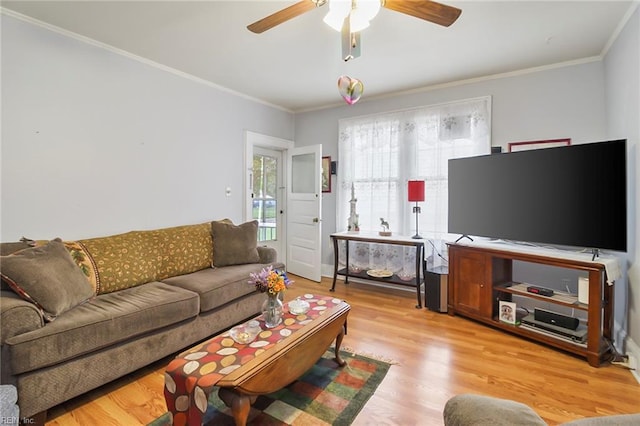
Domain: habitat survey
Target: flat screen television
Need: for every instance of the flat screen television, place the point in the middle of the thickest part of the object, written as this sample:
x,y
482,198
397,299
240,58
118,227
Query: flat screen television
x,y
568,196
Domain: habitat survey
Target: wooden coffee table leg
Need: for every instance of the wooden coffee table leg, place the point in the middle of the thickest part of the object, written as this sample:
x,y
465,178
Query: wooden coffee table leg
x,y
339,338
240,404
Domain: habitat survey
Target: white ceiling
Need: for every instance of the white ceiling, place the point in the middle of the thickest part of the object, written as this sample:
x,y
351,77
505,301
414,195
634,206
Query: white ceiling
x,y
296,65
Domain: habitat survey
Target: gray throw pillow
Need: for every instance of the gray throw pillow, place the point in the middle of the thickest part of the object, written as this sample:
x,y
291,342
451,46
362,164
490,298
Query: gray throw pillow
x,y
48,277
234,244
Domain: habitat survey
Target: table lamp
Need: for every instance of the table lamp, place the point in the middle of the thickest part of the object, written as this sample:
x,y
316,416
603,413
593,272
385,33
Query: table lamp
x,y
416,193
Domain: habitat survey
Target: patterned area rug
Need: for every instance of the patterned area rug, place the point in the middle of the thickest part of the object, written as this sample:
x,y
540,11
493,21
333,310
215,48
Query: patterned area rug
x,y
324,395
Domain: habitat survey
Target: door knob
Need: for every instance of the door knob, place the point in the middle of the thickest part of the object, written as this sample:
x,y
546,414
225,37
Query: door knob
x,y
316,220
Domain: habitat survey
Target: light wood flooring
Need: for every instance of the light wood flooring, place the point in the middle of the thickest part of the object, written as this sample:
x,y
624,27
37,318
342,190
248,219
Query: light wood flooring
x,y
436,355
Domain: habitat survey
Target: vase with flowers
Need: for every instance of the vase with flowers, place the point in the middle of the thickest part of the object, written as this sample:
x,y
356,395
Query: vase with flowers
x,y
273,282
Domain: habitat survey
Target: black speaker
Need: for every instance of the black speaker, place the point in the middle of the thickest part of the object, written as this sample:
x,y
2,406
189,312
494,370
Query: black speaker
x,y
558,320
334,167
435,289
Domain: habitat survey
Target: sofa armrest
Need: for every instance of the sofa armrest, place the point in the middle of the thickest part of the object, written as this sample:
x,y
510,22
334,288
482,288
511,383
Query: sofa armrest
x,y
267,254
17,316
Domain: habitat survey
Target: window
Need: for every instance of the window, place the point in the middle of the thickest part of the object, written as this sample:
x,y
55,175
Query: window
x,y
265,190
378,154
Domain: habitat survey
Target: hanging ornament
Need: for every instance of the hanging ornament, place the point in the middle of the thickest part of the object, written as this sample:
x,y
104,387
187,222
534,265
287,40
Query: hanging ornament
x,y
350,89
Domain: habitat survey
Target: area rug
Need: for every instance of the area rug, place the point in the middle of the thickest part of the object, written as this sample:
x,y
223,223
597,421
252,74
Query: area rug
x,y
324,395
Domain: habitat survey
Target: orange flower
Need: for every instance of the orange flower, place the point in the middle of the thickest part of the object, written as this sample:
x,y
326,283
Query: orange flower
x,y
271,280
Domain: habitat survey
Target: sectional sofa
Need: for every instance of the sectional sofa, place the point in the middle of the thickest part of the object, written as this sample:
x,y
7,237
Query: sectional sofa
x,y
75,315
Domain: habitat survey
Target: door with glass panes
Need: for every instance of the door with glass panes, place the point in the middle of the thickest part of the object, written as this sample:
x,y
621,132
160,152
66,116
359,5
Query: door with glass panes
x,y
267,198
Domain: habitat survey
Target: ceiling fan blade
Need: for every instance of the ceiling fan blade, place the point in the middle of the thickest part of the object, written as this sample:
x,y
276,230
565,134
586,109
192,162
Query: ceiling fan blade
x,y
431,11
281,16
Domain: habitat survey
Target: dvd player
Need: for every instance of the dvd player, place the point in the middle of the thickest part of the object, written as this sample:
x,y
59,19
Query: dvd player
x,y
578,335
556,319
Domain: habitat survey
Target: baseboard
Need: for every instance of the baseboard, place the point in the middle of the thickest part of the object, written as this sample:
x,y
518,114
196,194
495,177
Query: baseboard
x,y
619,336
634,350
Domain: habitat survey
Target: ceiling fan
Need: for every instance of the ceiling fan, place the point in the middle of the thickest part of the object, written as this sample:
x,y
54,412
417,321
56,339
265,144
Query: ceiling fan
x,y
352,16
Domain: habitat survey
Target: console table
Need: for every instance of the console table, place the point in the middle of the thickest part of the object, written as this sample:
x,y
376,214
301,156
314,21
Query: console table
x,y
373,238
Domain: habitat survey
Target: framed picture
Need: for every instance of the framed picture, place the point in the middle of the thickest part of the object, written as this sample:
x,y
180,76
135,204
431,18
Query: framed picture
x,y
326,174
528,145
507,312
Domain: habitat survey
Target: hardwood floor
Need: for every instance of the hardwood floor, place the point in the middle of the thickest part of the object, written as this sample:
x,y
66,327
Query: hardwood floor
x,y
437,356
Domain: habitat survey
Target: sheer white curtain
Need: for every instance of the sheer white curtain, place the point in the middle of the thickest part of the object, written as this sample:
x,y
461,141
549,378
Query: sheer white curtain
x,y
379,153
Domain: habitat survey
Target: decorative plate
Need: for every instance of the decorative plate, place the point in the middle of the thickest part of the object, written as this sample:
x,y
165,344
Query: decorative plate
x,y
379,273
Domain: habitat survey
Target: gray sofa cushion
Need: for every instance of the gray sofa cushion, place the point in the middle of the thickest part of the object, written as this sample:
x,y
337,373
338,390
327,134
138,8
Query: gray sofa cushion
x,y
234,244
48,277
619,420
217,286
104,321
479,410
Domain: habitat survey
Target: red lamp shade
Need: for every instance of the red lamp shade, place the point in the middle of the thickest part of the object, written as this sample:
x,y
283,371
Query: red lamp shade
x,y
416,190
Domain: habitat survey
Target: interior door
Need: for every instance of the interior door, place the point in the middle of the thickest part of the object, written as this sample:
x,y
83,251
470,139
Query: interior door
x,y
304,202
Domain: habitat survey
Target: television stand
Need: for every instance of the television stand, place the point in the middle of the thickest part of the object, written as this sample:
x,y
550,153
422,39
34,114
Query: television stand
x,y
480,276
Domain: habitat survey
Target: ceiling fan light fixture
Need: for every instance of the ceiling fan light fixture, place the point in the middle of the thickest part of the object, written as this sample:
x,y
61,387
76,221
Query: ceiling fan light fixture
x,y
338,11
367,9
359,12
356,23
334,20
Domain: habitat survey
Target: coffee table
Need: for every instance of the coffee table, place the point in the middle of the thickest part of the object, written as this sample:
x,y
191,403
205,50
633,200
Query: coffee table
x,y
276,358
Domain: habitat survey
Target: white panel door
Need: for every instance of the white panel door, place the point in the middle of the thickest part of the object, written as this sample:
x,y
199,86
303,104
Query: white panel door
x,y
304,202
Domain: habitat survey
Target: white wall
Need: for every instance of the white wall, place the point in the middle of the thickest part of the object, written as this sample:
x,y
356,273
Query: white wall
x,y
622,87
566,102
95,143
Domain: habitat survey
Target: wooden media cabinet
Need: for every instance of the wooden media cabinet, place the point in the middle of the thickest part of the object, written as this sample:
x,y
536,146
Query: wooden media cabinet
x,y
480,276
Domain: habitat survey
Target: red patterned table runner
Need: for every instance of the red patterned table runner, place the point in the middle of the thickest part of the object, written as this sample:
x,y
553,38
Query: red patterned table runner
x,y
192,375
